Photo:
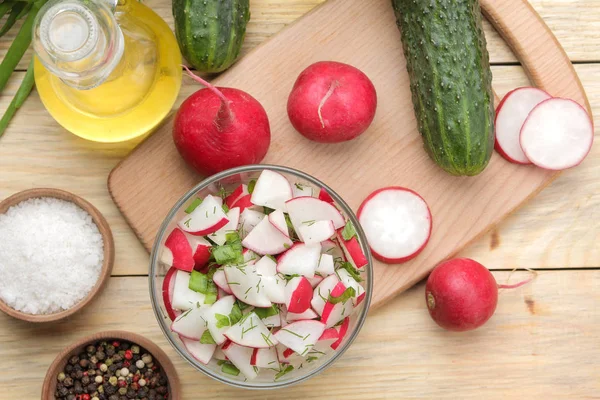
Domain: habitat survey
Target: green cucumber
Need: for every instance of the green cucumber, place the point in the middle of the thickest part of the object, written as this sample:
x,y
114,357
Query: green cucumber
x,y
450,80
210,33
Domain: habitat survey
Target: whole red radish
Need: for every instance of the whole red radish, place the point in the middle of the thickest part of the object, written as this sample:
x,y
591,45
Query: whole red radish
x,y
332,102
220,128
461,294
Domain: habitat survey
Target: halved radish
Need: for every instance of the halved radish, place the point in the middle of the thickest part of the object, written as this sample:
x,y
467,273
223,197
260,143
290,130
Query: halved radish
x,y
181,250
271,190
191,324
248,220
250,331
239,192
316,231
558,134
300,190
300,259
322,292
510,116
220,236
207,218
397,223
323,195
306,209
277,219
298,295
265,358
246,285
343,329
241,356
223,307
326,265
201,352
183,297
220,280
266,239
167,292
301,336
352,250
332,248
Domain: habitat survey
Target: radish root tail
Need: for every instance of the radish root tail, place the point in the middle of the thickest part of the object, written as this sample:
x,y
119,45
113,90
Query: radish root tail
x,y
224,115
518,284
332,88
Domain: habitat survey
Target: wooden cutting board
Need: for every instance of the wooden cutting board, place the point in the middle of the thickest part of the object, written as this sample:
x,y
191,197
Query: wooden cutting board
x,y
363,33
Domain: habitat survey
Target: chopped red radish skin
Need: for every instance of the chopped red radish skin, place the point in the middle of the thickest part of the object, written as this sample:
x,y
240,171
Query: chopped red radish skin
x,y
510,116
265,358
558,134
332,248
244,202
271,190
181,250
300,259
250,331
201,352
326,265
277,219
248,221
266,239
238,193
220,236
298,295
241,356
183,297
397,223
201,249
221,281
207,218
335,312
191,324
306,209
314,232
301,190
246,285
308,314
301,336
322,292
167,292
222,306
314,281
352,250
323,195
343,330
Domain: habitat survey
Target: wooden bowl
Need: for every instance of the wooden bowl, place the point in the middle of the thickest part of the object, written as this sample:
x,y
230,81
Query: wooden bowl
x,y
49,386
109,250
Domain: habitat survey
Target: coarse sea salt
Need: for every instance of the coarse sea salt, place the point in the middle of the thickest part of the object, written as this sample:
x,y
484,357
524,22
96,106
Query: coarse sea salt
x,y
51,255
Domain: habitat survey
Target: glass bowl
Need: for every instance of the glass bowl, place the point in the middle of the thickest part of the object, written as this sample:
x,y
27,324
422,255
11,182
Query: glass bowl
x,y
228,180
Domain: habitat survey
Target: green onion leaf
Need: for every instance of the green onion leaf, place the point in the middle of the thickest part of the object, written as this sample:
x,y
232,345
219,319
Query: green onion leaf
x,y
284,371
222,321
268,210
190,209
251,186
241,305
344,297
230,369
351,270
263,313
207,338
236,314
349,231
225,208
203,283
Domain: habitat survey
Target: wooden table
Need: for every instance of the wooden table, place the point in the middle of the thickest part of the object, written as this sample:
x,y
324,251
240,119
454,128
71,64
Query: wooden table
x,y
541,343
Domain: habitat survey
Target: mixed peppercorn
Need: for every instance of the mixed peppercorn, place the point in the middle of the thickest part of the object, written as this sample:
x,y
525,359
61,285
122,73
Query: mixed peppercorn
x,y
116,370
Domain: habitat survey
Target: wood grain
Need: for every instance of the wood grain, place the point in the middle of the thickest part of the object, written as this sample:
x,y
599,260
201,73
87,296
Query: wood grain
x,y
154,176
540,344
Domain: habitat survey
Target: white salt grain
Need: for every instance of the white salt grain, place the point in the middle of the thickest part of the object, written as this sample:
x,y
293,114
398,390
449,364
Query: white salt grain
x,y
51,255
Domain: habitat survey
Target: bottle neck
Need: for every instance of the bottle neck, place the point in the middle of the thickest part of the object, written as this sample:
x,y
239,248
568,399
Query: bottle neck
x,y
78,41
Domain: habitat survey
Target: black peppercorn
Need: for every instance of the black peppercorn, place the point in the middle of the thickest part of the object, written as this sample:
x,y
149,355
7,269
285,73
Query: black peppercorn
x,y
85,380
113,397
77,388
71,397
68,382
79,374
73,360
63,391
91,388
100,355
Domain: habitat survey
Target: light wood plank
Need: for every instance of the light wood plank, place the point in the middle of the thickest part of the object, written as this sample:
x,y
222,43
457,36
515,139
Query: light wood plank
x,y
36,152
541,343
576,24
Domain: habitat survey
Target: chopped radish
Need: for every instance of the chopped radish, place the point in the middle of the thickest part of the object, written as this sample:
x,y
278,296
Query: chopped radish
x,y
250,331
238,193
301,190
244,202
308,314
277,219
274,287
219,355
328,338
298,294
305,209
315,280
343,329
510,116
201,249
349,281
266,239
397,223
316,231
326,265
271,190
558,134
322,292
352,250
272,321
183,297
248,221
250,257
191,324
221,281
323,195
332,248
167,292
181,250
201,352
301,259
219,237
335,312
241,356
222,307
221,293
266,266
246,285
166,257
265,358
207,218
301,336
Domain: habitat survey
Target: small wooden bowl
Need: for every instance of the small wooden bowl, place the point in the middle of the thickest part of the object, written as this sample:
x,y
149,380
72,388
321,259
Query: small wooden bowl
x,y
50,381
109,250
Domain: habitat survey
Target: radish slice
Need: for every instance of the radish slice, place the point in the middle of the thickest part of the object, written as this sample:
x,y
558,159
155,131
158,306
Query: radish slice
x,y
397,223
558,134
201,352
167,292
220,236
271,190
207,218
510,116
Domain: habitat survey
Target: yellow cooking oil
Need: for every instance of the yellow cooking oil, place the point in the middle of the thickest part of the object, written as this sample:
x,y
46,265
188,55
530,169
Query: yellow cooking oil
x,y
85,93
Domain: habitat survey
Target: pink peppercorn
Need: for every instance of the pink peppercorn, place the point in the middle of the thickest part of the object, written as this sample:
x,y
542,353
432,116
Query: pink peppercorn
x,y
128,355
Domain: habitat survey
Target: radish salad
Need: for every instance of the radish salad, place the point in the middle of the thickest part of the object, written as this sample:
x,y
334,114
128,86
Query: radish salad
x,y
263,280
